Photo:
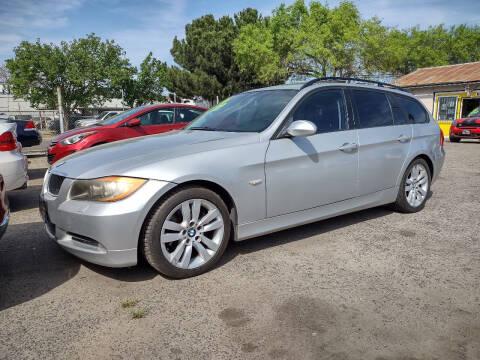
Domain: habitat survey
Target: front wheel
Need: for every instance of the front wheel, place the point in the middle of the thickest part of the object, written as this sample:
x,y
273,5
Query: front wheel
x,y
414,187
187,233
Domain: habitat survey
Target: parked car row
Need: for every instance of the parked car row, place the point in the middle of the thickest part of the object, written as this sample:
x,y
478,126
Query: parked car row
x,y
13,168
13,164
26,131
141,121
260,161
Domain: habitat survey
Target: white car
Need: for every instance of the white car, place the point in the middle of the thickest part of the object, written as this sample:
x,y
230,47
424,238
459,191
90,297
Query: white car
x,y
13,164
100,117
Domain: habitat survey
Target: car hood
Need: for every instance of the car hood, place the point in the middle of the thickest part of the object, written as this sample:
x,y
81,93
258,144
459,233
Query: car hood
x,y
69,133
123,157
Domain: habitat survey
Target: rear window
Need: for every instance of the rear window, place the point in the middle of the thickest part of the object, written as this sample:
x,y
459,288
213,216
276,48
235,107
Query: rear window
x,y
416,114
399,116
373,108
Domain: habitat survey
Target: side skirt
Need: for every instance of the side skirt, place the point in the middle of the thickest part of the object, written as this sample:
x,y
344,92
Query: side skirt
x,y
286,221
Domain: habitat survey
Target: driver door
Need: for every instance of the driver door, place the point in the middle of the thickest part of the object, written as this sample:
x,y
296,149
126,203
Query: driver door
x,y
153,122
307,172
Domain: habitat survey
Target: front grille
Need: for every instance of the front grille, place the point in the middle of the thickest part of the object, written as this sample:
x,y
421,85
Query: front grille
x,y
470,124
50,157
55,183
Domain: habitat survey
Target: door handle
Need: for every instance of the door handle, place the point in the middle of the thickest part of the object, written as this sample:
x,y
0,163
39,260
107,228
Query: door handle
x,y
348,147
403,138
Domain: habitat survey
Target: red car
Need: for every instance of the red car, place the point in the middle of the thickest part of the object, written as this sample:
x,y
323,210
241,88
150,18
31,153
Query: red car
x,y
3,207
141,121
466,128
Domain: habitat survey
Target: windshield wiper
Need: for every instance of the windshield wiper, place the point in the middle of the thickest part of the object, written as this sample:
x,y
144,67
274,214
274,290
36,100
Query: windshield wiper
x,y
205,128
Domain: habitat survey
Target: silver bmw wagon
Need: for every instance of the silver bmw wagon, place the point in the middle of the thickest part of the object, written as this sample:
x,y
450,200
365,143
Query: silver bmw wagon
x,y
260,161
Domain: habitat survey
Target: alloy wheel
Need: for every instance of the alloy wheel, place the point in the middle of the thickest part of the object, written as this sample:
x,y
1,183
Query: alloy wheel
x,y
416,185
192,233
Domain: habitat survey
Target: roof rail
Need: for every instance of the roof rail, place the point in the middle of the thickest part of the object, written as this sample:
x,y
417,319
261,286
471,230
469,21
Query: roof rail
x,y
350,79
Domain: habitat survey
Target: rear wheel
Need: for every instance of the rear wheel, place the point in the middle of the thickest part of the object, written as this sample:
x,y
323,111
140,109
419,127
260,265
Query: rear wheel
x,y
187,233
454,139
413,191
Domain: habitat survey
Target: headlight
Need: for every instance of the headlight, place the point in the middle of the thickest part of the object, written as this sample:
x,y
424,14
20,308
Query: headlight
x,y
454,123
105,189
76,138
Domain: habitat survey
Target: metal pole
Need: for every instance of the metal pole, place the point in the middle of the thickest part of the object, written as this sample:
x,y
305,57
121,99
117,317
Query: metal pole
x,y
60,109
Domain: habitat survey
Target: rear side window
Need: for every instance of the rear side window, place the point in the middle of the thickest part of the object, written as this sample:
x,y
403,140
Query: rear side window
x,y
373,108
414,111
185,115
163,116
326,109
399,117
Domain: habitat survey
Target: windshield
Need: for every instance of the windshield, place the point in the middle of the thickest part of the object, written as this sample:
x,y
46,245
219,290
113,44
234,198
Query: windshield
x,y
99,116
122,116
247,112
474,112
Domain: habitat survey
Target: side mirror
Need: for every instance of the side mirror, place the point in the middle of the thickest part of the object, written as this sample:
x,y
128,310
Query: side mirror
x,y
301,128
134,122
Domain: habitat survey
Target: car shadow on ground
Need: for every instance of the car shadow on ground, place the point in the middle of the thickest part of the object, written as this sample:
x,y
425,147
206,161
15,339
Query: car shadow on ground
x,y
24,199
37,173
143,271
301,232
31,264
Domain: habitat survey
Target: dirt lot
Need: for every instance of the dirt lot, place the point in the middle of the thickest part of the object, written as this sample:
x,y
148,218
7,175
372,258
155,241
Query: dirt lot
x,y
371,285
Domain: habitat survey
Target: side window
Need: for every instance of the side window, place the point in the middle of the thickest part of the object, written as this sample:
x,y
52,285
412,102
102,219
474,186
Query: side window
x,y
185,115
326,109
373,108
415,112
163,116
399,117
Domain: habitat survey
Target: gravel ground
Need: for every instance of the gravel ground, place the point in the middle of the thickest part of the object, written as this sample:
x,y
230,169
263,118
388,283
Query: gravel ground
x,y
370,285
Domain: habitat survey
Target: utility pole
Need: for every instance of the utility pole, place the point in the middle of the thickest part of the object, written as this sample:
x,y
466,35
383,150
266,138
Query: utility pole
x,y
60,109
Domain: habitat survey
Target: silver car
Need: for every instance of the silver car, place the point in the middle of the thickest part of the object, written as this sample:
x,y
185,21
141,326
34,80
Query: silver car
x,y
259,162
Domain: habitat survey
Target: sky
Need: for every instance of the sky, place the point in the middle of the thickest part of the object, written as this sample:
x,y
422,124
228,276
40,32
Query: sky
x,y
140,26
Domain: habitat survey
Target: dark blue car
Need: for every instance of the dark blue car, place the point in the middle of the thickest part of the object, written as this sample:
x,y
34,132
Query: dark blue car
x,y
27,133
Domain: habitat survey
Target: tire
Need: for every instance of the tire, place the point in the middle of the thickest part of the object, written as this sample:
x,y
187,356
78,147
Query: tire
x,y
410,204
169,221
454,139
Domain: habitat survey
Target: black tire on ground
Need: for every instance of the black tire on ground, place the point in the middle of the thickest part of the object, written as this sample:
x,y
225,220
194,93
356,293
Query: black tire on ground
x,y
401,204
454,139
150,242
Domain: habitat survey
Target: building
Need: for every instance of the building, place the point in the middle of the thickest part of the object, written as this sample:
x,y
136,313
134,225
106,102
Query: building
x,y
449,92
11,106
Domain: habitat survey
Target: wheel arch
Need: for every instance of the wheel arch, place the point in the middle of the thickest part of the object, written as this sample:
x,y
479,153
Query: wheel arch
x,y
427,160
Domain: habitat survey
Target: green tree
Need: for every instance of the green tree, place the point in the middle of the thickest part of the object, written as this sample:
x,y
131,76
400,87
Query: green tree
x,y
88,70
148,84
206,54
309,40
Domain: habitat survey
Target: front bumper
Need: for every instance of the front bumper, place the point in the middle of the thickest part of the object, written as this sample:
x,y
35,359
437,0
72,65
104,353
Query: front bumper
x,y
57,152
465,133
102,233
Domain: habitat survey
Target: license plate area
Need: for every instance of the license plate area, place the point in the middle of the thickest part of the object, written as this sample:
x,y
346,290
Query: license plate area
x,y
466,132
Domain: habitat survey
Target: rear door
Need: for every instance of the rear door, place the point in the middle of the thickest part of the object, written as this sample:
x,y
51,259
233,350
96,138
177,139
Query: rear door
x,y
383,142
307,172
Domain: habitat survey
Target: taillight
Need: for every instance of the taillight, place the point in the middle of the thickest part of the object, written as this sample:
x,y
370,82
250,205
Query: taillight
x,y
30,126
7,142
442,138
